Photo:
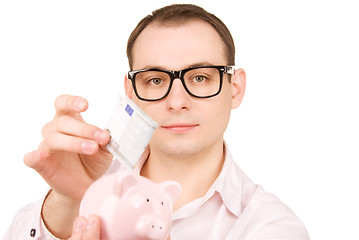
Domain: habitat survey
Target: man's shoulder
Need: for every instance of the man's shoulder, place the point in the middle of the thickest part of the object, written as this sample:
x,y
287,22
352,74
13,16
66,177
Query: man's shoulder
x,y
253,196
262,214
265,216
256,202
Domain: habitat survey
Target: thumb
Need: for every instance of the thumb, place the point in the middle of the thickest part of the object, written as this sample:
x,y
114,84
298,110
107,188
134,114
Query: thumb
x,y
35,160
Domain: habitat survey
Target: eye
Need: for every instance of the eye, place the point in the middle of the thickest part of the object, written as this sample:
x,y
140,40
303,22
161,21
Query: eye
x,y
162,203
155,81
199,78
147,200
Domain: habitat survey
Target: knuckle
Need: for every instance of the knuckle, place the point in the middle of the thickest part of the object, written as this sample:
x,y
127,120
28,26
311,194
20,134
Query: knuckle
x,y
53,125
50,140
60,99
45,129
64,102
68,104
43,146
63,122
87,130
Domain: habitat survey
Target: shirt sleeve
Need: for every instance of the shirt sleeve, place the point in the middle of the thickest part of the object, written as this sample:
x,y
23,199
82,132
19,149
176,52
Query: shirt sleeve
x,y
28,224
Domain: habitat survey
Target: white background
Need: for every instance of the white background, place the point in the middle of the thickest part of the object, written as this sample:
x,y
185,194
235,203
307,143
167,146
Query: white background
x,y
296,132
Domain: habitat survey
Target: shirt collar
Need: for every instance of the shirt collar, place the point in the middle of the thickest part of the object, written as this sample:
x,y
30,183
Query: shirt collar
x,y
228,184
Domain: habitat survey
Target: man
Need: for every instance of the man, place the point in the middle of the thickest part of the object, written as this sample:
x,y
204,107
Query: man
x,y
181,60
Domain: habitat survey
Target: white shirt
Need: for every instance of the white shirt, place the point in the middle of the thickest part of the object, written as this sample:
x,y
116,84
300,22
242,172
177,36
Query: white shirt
x,y
233,208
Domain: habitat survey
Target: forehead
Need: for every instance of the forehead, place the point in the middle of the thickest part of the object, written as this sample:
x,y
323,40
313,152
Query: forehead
x,y
174,47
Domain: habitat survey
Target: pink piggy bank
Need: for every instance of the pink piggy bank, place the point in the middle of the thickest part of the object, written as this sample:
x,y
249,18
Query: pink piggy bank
x,y
131,206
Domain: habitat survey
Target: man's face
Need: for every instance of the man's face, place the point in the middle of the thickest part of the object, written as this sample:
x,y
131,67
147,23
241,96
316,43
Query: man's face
x,y
187,125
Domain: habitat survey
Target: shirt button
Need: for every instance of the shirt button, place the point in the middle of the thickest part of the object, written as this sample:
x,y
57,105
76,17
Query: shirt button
x,y
33,232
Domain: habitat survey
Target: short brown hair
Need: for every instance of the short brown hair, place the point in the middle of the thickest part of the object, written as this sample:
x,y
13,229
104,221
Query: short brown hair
x,y
180,14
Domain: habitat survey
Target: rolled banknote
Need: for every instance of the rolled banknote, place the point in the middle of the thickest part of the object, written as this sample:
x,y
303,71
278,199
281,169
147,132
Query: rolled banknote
x,y
131,130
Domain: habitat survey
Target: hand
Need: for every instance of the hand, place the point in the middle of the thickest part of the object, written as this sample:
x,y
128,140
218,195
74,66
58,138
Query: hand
x,y
71,156
86,229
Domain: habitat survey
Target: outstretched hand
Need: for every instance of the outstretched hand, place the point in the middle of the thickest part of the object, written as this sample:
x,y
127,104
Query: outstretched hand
x,y
71,156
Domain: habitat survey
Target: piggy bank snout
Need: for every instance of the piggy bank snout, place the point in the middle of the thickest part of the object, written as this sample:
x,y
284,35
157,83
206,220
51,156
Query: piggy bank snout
x,y
153,227
131,206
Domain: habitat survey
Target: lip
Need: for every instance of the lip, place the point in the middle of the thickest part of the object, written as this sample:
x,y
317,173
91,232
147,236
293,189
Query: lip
x,y
180,127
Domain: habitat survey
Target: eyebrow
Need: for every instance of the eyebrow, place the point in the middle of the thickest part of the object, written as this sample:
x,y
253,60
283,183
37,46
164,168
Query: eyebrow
x,y
198,64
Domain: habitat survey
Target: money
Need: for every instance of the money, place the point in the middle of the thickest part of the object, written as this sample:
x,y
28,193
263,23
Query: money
x,y
131,130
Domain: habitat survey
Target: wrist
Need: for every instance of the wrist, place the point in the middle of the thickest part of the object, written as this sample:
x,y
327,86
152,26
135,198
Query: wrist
x,y
58,213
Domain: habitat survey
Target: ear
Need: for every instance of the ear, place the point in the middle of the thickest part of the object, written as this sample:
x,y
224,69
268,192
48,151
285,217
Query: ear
x,y
238,82
128,88
172,189
124,184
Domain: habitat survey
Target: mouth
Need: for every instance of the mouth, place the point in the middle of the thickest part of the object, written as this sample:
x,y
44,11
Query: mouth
x,y
180,127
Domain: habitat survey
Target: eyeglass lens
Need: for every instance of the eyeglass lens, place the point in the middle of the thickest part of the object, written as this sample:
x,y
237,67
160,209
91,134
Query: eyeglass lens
x,y
201,82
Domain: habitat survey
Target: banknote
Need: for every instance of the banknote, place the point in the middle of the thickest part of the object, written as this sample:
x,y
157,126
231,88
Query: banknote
x,y
131,130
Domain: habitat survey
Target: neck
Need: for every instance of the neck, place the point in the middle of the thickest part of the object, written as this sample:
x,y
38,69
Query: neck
x,y
196,172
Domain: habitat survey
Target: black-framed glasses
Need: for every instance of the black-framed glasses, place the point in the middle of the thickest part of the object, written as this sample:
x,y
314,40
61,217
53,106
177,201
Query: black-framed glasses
x,y
199,82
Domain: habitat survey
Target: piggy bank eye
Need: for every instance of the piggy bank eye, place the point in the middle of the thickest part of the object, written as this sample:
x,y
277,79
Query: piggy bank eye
x,y
148,200
162,203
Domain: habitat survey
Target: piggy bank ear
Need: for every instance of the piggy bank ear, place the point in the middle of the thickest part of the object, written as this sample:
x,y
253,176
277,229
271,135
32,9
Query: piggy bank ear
x,y
124,184
172,189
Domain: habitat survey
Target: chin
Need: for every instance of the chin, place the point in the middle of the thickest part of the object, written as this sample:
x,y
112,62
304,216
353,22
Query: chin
x,y
178,148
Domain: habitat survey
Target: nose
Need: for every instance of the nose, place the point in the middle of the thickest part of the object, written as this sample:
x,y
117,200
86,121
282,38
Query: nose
x,y
178,99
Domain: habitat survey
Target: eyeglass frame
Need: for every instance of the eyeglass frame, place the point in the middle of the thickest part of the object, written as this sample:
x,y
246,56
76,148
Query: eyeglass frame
x,y
131,75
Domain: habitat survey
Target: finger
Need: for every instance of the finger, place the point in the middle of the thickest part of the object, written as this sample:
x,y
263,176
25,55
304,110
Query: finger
x,y
93,228
35,159
78,228
74,127
66,104
62,142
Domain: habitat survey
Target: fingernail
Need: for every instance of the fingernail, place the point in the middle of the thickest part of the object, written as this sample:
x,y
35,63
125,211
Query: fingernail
x,y
101,136
88,147
79,224
81,103
92,221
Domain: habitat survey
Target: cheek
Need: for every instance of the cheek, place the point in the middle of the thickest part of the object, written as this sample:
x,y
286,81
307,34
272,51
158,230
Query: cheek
x,y
221,109
221,116
153,110
149,108
218,112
